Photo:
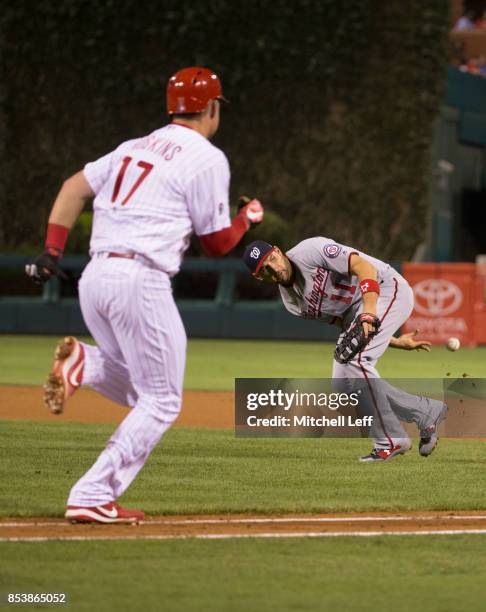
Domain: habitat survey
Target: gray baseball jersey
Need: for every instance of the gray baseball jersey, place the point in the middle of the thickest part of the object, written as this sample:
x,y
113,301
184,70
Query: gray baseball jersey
x,y
324,289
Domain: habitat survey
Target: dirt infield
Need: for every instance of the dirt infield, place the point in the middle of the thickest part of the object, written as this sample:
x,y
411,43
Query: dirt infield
x,y
257,526
213,409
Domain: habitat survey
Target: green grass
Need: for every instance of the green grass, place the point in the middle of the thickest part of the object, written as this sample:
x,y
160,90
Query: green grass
x,y
214,364
203,471
436,574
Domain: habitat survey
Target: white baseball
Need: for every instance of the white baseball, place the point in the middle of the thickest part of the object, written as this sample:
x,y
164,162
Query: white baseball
x,y
453,344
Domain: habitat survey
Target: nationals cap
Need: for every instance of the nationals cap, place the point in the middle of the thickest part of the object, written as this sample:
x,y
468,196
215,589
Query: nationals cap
x,y
255,254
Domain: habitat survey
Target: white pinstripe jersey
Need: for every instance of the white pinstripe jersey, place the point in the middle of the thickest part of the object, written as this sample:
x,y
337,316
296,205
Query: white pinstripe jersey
x,y
153,192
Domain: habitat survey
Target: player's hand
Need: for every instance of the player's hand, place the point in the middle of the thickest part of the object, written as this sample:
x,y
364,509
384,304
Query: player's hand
x,y
45,266
252,210
408,343
370,327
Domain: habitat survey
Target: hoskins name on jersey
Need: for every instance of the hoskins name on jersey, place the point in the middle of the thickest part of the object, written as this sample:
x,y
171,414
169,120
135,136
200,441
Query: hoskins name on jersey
x,y
163,147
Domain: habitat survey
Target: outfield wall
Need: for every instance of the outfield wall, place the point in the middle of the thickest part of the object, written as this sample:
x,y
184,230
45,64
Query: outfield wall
x,y
450,300
222,315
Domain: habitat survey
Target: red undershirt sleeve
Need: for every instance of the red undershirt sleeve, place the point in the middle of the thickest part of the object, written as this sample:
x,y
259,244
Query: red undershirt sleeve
x,y
221,242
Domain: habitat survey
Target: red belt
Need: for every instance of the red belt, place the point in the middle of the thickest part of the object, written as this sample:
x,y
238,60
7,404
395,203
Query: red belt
x,y
123,255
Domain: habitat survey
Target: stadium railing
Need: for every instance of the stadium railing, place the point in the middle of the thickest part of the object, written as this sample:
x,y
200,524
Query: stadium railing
x,y
221,316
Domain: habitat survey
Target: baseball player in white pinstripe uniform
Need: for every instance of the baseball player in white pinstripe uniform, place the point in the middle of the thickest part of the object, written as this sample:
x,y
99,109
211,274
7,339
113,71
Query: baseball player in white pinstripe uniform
x,y
150,195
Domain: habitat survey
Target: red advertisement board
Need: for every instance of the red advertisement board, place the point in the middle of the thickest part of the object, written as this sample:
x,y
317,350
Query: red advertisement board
x,y
446,300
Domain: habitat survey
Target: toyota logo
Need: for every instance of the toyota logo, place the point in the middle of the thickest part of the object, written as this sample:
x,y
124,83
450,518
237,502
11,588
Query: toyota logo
x,y
437,297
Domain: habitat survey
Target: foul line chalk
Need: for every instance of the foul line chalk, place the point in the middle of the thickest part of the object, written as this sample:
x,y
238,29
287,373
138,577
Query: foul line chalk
x,y
269,520
224,536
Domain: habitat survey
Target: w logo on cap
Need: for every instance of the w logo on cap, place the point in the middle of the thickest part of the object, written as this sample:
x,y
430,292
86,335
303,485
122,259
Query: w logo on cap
x,y
255,253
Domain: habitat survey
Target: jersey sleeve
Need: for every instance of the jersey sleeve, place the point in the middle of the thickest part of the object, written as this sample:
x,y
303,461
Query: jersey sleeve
x,y
98,172
208,198
332,255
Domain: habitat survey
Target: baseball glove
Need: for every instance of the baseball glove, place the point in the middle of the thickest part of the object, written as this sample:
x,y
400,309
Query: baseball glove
x,y
353,341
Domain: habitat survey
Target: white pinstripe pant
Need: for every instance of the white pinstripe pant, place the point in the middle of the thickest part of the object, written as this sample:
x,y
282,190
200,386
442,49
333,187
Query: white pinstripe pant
x,y
139,361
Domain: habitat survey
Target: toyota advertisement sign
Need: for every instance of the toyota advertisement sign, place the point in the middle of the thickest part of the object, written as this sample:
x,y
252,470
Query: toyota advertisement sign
x,y
444,300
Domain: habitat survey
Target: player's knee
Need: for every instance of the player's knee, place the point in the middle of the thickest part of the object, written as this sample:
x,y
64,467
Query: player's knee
x,y
165,409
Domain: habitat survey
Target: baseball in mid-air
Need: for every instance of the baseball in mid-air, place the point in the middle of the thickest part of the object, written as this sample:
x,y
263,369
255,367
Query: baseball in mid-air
x,y
453,344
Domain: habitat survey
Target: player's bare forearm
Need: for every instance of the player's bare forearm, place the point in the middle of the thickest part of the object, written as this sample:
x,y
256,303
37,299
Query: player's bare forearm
x,y
361,268
407,342
369,302
70,200
364,270
395,343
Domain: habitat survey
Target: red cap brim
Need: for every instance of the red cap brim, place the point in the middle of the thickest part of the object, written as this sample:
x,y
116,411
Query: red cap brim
x,y
260,263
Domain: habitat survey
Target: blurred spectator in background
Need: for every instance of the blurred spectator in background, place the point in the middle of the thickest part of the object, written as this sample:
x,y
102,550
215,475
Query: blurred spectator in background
x,y
480,24
468,38
466,22
474,65
473,16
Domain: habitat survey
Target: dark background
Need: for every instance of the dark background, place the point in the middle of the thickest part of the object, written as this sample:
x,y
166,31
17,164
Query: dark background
x,y
330,121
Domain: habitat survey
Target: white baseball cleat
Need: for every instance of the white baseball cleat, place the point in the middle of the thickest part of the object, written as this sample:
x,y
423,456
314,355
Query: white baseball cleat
x,y
66,375
385,454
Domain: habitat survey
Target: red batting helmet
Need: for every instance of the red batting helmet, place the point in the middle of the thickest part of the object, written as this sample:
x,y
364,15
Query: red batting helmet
x,y
190,89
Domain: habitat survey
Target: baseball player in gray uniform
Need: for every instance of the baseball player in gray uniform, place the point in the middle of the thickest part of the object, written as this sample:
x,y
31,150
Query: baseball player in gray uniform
x,y
321,279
